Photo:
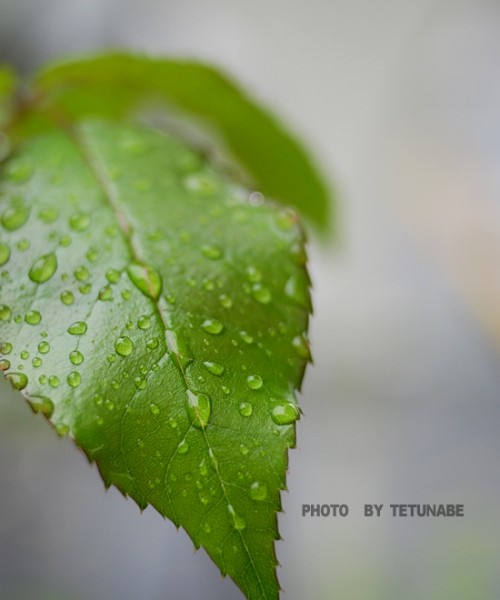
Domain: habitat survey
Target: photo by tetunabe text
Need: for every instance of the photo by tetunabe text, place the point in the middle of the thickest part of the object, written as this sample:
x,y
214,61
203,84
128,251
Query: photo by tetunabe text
x,y
378,510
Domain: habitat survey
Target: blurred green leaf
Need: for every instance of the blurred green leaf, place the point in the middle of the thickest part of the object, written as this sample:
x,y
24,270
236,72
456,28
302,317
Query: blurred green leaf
x,y
158,317
8,83
114,85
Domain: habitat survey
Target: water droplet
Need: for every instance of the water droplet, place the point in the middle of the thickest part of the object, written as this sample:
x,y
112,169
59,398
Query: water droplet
x,y
111,358
78,328
146,279
206,528
82,273
20,170
144,322
225,301
65,241
4,253
200,183
23,245
154,409
239,522
214,368
254,382
42,404
170,298
18,380
43,347
285,412
15,217
33,317
110,405
258,491
199,409
62,429
67,297
54,381
76,357
152,343
4,364
92,255
296,289
253,274
126,294
79,221
43,268
5,312
106,293
140,383
301,346
183,447
124,346
212,326
36,362
24,355
113,276
173,423
49,214
246,409
261,293
74,379
246,337
226,390
298,253
243,449
5,348
211,251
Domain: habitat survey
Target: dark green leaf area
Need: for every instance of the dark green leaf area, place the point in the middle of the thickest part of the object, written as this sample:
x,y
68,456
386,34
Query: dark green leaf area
x,y
158,317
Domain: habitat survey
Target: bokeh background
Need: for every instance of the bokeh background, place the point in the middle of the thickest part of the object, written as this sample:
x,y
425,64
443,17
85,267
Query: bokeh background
x,y
400,104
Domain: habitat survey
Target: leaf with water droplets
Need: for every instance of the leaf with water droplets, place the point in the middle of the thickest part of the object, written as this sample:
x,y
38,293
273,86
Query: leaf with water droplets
x,y
162,327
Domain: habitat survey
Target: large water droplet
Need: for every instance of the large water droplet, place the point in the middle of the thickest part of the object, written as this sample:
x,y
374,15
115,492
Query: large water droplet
x,y
284,412
43,268
214,368
15,217
239,522
76,357
4,364
5,348
78,328
258,491
261,293
33,317
124,346
199,409
212,326
146,279
79,221
5,312
246,409
254,382
42,404
4,253
18,380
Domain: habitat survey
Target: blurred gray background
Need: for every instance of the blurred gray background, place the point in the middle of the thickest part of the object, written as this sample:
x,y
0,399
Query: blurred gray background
x,y
400,104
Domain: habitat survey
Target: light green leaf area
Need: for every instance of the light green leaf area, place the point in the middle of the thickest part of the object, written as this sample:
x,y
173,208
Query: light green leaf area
x,y
159,318
114,85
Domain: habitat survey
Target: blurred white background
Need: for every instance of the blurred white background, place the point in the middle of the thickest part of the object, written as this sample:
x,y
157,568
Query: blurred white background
x,y
400,104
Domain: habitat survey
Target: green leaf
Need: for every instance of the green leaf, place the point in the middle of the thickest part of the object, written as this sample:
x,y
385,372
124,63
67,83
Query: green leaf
x,y
114,85
8,84
158,317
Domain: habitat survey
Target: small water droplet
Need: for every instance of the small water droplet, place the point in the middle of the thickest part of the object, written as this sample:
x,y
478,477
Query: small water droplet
x,y
253,274
246,409
5,312
246,337
226,390
20,170
239,522
85,288
36,362
92,255
42,404
199,409
183,447
140,383
154,409
24,355
254,382
126,294
81,273
67,297
49,214
4,364
106,293
23,245
113,276
200,183
206,528
212,326
54,381
62,429
43,347
124,346
243,449
261,293
284,412
43,268
65,241
79,221
4,253
301,346
225,301
78,328
296,289
18,380
110,405
15,217
111,358
33,317
173,423
5,348
76,357
258,491
146,279
214,368
144,322
211,251
74,379
152,343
